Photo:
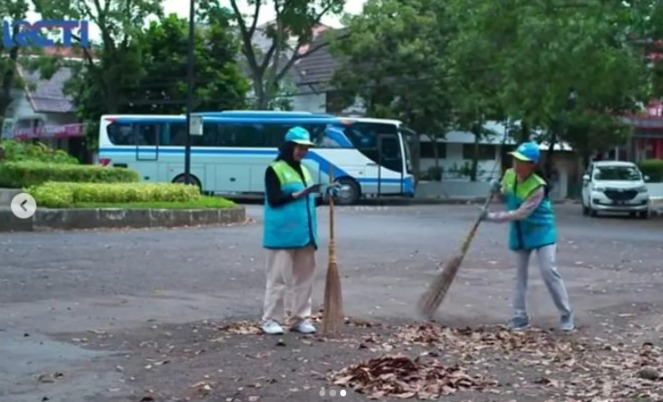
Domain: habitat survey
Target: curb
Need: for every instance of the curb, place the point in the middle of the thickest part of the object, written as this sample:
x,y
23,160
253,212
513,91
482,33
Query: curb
x,y
105,218
401,201
442,201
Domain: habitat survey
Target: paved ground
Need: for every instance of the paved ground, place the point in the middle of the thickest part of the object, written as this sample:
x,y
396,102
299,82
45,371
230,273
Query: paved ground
x,y
136,315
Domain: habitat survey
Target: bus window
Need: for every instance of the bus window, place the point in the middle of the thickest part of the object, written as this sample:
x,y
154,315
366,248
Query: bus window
x,y
146,133
364,137
248,136
177,134
331,137
120,134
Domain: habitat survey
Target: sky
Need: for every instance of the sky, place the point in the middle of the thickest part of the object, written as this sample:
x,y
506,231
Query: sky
x,y
181,8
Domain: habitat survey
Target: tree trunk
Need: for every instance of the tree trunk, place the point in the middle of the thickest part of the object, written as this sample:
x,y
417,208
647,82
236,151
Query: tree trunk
x,y
524,132
261,99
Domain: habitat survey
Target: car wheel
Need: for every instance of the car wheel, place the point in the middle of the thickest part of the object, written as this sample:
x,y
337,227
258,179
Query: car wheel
x,y
643,214
592,211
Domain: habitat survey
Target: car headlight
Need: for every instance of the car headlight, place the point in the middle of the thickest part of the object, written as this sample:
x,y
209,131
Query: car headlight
x,y
642,189
598,188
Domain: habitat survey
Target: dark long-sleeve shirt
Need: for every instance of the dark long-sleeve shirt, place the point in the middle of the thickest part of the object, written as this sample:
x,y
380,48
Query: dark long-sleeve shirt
x,y
275,197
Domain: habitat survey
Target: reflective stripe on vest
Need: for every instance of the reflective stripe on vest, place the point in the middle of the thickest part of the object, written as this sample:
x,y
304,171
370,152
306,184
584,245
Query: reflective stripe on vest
x,y
538,229
287,226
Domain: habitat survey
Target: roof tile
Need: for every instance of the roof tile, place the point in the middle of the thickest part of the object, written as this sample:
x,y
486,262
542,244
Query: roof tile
x,y
48,95
319,66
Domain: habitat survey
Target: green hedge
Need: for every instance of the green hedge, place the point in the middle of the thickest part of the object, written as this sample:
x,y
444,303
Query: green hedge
x,y
19,151
653,168
30,173
59,194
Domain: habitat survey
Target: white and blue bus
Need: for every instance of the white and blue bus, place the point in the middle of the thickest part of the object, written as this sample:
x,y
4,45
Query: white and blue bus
x,y
371,157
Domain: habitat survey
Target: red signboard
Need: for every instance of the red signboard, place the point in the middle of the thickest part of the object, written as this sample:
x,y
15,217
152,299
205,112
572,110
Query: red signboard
x,y
60,131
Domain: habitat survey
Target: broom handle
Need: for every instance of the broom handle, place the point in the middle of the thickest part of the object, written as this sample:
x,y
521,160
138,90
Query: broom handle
x,y
332,240
470,235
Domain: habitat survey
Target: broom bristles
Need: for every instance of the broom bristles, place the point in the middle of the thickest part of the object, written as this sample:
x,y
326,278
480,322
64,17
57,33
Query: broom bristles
x,y
332,314
437,291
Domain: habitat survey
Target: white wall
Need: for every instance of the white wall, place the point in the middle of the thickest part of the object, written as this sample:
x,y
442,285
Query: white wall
x,y
453,157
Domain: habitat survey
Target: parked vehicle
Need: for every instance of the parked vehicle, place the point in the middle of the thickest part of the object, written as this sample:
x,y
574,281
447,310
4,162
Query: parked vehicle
x,y
370,157
615,186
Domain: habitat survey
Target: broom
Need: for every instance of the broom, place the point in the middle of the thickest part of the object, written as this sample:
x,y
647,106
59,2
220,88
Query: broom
x,y
437,290
332,312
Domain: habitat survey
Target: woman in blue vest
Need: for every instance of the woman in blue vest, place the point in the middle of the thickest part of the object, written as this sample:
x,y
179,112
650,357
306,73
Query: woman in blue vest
x,y
290,236
533,228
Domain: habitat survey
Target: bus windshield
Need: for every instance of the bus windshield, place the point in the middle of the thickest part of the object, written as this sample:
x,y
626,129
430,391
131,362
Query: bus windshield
x,y
409,138
379,142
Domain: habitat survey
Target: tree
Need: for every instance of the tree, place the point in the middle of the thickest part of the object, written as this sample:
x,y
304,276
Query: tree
x,y
393,59
294,18
474,82
101,84
9,56
219,84
645,32
540,49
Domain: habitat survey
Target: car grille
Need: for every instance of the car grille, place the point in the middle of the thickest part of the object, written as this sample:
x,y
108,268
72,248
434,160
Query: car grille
x,y
620,195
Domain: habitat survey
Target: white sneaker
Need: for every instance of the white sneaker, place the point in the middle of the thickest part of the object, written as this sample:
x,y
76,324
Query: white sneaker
x,y
272,327
304,327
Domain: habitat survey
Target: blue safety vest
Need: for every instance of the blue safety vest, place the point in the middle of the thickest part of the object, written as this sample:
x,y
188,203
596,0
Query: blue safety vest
x,y
537,230
294,224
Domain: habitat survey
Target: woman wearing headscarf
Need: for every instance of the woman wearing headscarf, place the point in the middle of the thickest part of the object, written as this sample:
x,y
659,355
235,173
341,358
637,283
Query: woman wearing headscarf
x,y
290,236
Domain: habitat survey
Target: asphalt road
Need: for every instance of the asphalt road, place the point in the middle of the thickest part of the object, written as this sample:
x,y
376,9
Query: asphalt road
x,y
93,281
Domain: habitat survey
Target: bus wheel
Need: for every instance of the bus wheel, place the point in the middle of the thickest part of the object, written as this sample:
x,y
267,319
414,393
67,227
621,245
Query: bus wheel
x,y
193,180
351,192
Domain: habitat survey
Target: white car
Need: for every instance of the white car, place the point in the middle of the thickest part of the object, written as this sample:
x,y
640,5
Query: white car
x,y
615,186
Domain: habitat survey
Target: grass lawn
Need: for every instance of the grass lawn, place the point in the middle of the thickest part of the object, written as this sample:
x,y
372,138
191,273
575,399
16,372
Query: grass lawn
x,y
205,202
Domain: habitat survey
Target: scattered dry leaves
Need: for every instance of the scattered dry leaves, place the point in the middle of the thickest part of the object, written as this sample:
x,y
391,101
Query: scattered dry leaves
x,y
402,377
242,328
581,367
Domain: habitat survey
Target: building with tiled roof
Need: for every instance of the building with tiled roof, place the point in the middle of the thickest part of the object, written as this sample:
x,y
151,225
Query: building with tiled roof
x,y
41,110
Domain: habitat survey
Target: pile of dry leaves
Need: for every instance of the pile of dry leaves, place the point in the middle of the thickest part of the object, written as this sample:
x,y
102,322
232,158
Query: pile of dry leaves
x,y
581,367
403,377
242,328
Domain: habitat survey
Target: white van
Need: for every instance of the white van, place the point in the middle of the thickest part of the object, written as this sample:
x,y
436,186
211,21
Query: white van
x,y
615,186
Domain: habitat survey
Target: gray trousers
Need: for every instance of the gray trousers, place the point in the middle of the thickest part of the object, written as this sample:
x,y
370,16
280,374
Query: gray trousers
x,y
549,274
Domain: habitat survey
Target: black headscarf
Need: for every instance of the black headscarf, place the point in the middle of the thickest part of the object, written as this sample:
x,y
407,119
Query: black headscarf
x,y
286,151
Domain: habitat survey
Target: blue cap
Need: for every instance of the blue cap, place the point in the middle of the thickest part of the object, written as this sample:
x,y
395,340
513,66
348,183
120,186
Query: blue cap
x,y
299,135
527,152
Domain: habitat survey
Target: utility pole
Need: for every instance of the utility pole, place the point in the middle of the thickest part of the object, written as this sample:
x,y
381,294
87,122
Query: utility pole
x,y
189,102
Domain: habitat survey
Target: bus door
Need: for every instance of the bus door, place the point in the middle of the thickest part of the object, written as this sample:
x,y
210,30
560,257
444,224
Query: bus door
x,y
390,157
146,137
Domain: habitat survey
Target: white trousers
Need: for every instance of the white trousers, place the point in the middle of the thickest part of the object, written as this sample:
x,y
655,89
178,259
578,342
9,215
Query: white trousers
x,y
290,276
